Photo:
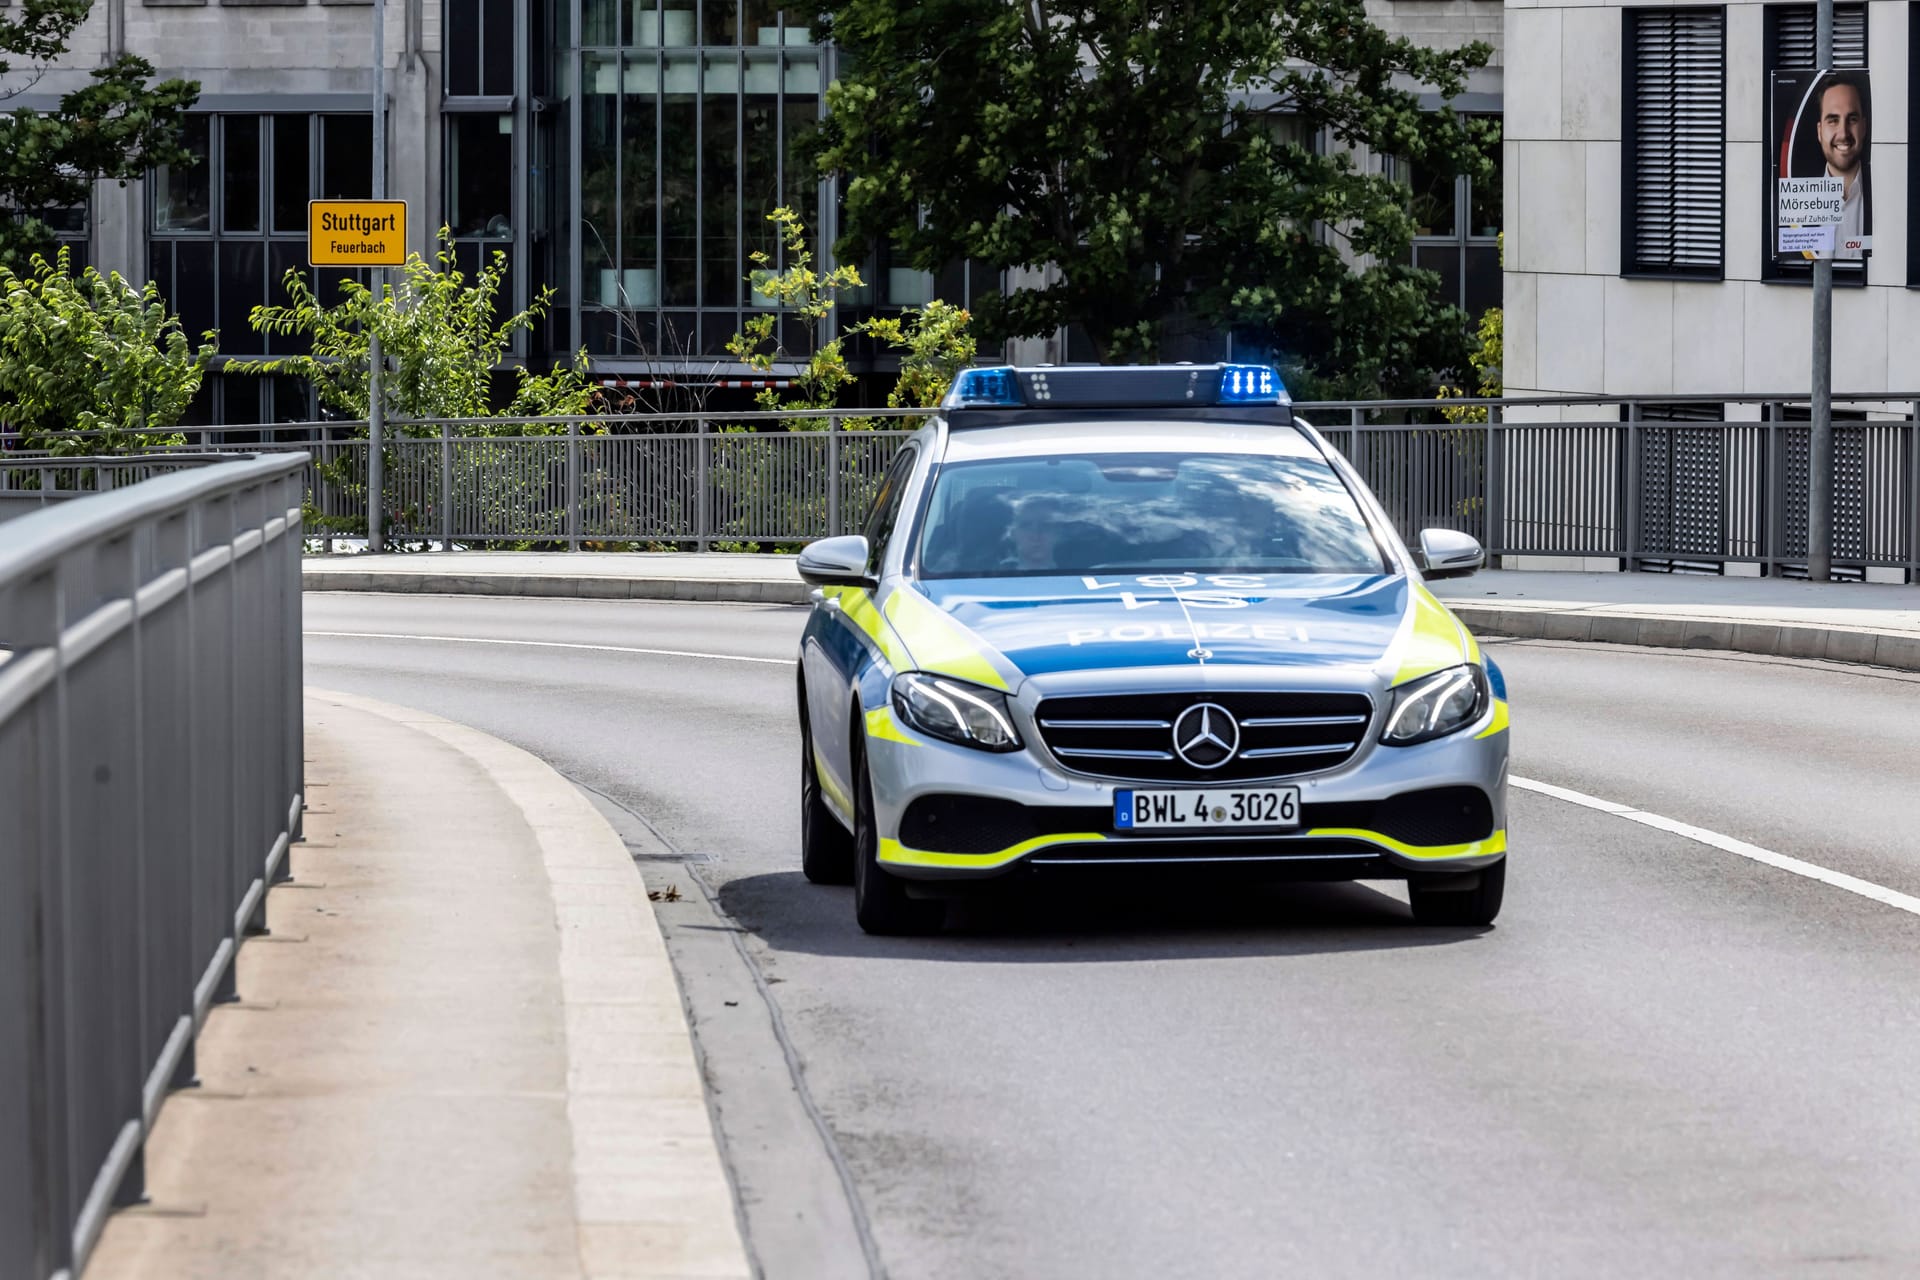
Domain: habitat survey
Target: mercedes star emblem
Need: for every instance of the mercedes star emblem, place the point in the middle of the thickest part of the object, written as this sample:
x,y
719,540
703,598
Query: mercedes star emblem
x,y
1206,735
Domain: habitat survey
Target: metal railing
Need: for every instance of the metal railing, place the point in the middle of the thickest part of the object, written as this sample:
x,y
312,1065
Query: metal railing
x,y
150,785
1668,483
29,483
1677,484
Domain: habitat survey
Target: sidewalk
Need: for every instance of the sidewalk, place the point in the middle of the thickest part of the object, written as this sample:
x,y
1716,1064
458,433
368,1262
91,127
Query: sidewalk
x,y
1841,622
460,1052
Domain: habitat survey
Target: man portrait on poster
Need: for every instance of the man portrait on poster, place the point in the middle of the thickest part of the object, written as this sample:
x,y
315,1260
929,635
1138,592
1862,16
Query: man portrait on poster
x,y
1828,134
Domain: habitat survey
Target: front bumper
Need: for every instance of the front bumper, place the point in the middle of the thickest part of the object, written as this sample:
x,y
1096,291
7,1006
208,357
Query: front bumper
x,y
946,812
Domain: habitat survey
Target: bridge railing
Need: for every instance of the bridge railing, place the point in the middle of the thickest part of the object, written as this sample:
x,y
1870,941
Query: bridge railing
x,y
1676,483
150,785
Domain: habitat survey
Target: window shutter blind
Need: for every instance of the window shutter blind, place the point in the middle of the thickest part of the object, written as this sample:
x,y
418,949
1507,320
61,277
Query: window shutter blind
x,y
1676,205
1793,37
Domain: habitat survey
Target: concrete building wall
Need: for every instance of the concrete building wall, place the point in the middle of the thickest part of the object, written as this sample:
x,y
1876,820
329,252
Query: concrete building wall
x,y
1575,325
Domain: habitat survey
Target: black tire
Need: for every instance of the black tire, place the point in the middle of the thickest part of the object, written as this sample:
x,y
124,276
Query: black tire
x,y
1437,900
826,847
880,901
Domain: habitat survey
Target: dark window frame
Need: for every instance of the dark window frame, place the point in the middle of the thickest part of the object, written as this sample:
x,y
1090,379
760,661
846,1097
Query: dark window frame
x,y
1847,275
1631,265
277,249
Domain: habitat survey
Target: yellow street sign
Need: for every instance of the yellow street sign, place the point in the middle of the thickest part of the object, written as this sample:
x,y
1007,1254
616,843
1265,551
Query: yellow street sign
x,y
356,233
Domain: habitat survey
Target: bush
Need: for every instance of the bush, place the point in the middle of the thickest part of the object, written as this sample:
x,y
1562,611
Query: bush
x,y
91,353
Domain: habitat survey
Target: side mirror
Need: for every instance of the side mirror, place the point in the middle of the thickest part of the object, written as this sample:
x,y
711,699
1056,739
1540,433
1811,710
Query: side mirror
x,y
1448,553
836,562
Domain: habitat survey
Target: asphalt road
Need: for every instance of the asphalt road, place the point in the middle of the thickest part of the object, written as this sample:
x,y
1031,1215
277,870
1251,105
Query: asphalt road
x,y
1664,1060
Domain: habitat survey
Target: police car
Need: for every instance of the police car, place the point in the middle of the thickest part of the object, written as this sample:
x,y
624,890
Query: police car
x,y
1141,617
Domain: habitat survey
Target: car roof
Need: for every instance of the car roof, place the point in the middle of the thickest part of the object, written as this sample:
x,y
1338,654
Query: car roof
x,y
1084,436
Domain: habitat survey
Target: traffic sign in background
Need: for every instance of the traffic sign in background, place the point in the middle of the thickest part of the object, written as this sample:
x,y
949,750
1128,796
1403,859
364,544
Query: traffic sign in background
x,y
356,233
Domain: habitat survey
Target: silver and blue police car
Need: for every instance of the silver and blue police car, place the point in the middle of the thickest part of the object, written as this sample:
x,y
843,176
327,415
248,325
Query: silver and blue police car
x,y
1141,617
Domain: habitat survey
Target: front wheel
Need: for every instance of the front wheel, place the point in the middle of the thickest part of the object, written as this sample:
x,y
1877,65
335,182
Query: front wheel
x,y
1465,898
880,901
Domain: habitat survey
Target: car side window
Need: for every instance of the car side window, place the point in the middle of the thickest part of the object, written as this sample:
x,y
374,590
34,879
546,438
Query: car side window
x,y
886,508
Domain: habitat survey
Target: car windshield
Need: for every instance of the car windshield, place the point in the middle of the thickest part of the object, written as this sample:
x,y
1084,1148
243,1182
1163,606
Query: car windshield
x,y
1139,512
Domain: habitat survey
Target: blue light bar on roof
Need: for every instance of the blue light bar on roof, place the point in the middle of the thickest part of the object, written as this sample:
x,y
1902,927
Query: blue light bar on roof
x,y
984,389
1250,384
1158,386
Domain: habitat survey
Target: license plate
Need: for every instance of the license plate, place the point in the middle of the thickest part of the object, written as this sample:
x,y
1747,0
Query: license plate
x,y
1212,809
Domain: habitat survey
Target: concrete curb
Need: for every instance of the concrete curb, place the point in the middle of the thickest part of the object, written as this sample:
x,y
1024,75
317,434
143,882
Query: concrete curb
x,y
651,1194
1667,631
582,587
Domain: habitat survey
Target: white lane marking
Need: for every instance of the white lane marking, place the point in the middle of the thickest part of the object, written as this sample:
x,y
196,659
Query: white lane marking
x,y
548,644
1727,844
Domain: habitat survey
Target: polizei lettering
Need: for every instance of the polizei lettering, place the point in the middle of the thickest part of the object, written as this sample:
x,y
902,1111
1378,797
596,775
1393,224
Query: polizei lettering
x,y
1136,632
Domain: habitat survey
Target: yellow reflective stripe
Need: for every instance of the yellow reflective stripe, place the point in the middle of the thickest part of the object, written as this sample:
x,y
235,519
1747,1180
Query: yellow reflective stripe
x,y
1499,724
1495,843
1433,641
824,777
857,604
895,852
938,642
880,724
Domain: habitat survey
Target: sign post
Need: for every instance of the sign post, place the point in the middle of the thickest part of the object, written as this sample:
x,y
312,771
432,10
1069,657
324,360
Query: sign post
x,y
1820,135
376,359
363,233
1820,441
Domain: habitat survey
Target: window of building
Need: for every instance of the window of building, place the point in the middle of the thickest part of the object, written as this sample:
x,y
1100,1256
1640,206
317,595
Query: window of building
x,y
682,156
678,24
1456,231
1673,150
1790,40
224,232
479,53
479,189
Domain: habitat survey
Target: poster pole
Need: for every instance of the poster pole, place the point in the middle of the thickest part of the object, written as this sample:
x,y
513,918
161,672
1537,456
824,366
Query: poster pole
x,y
1820,447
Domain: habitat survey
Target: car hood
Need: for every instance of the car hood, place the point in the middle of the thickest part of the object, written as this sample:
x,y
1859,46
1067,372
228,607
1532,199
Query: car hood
x,y
1023,627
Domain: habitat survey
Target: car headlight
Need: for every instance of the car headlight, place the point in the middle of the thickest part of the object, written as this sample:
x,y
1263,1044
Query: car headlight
x,y
955,712
1436,705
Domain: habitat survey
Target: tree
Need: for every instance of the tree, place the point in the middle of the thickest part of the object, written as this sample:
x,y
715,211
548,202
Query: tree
x,y
118,125
1157,160
91,354
812,297
438,336
441,346
935,344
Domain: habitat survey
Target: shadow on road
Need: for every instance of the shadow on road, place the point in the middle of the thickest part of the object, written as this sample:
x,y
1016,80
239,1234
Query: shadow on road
x,y
1094,922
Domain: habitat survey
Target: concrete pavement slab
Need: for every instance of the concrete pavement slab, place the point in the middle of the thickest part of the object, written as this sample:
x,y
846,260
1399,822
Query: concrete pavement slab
x,y
417,1081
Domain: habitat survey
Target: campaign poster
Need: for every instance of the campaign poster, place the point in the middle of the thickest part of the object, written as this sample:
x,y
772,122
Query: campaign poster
x,y
1820,131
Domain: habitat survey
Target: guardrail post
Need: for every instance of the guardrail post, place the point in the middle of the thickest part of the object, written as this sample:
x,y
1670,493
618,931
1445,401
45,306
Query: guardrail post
x,y
833,477
1630,526
1913,492
574,522
1776,517
446,486
1491,479
702,499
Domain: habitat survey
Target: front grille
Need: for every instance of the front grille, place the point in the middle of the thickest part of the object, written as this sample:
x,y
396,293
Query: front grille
x,y
1130,736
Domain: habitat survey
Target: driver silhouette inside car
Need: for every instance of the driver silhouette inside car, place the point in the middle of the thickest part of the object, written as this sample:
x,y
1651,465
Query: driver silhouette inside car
x,y
1034,535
